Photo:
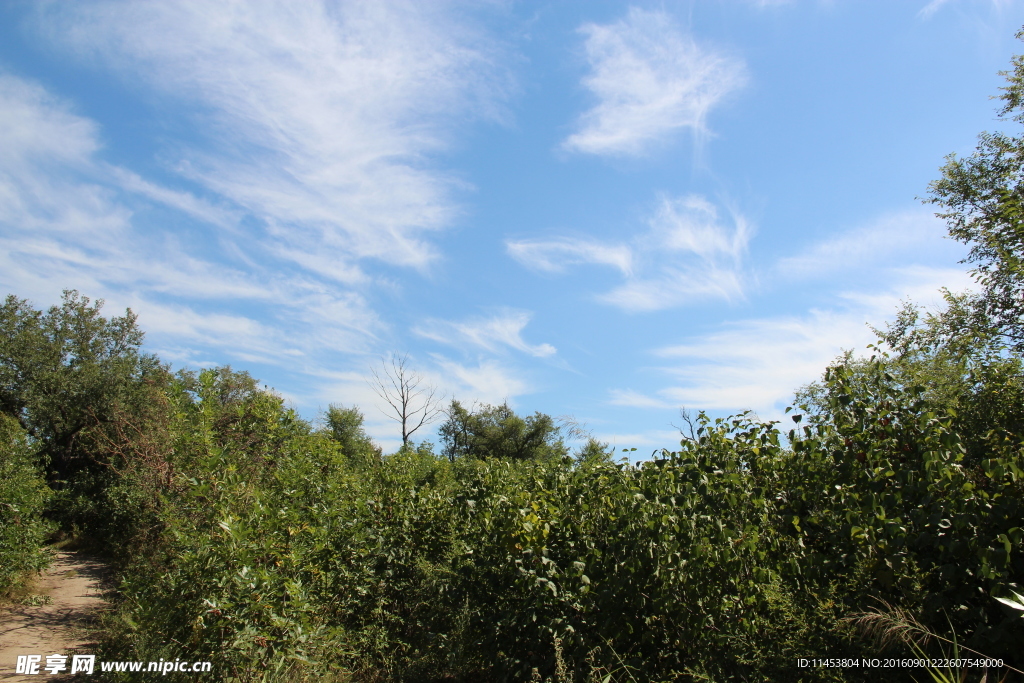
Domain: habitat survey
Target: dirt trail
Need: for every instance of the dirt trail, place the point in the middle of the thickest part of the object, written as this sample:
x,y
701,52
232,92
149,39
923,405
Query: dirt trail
x,y
75,584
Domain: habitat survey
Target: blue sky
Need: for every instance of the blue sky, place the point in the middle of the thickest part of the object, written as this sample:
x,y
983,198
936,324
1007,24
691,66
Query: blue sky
x,y
599,209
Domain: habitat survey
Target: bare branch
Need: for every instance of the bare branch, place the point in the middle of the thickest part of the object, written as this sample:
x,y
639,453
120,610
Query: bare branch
x,y
690,432
411,405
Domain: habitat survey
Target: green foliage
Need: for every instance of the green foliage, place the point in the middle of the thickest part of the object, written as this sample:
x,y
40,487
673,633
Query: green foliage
x,y
345,425
68,370
423,567
959,362
889,486
980,197
89,400
497,432
226,577
280,552
23,495
594,451
278,556
962,362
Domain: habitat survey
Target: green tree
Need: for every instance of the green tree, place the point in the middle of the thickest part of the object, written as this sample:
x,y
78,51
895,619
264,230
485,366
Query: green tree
x,y
231,412
980,198
68,371
497,432
594,451
345,425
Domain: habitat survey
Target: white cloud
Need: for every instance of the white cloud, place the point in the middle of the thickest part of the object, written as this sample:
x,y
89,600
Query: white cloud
x,y
39,129
651,80
931,8
309,153
688,252
692,224
46,174
696,255
322,116
64,222
635,399
185,202
486,382
656,438
758,363
891,239
555,255
727,370
676,287
504,328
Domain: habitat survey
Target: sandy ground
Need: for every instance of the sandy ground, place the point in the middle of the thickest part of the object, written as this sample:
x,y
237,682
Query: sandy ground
x,y
75,584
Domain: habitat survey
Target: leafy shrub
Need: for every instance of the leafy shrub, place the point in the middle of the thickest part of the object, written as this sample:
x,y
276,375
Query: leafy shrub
x,y
884,481
423,568
23,496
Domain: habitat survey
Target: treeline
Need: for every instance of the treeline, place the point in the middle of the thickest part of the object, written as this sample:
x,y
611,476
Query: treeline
x,y
883,521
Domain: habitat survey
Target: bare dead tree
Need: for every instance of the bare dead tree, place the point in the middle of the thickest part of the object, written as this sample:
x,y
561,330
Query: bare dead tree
x,y
689,432
410,403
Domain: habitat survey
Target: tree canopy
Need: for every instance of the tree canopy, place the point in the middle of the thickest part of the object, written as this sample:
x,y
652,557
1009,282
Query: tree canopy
x,y
980,197
497,432
69,369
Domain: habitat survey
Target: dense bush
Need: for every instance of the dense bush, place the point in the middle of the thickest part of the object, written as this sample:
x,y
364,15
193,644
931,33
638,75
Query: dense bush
x,y
892,486
23,496
727,559
423,568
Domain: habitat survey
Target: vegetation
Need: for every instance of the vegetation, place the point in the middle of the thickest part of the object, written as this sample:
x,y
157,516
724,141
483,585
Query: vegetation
x,y
249,537
497,432
23,495
981,200
281,550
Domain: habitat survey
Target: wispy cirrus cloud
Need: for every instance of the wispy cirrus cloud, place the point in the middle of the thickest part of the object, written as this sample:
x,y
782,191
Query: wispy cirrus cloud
x,y
635,399
555,255
676,287
491,333
47,170
689,252
894,238
931,8
321,116
487,381
758,363
299,151
697,254
67,218
185,202
651,80
770,3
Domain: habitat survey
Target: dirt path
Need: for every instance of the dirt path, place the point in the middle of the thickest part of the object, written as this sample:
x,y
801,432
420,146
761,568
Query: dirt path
x,y
75,584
